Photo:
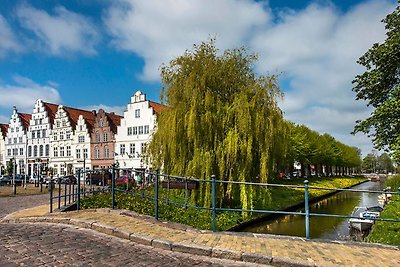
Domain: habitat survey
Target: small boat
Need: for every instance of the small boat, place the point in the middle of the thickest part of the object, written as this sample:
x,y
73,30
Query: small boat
x,y
365,218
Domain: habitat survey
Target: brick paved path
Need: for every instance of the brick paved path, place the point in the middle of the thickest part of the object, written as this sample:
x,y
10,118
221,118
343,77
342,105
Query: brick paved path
x,y
55,245
11,204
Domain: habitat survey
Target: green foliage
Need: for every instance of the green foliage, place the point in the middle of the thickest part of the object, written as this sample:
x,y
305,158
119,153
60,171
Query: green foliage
x,y
387,232
379,85
221,120
279,198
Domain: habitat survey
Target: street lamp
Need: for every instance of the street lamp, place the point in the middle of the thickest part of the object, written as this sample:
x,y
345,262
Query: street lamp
x,y
14,170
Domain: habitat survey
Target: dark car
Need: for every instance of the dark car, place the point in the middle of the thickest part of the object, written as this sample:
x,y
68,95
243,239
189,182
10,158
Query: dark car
x,y
19,179
5,180
69,179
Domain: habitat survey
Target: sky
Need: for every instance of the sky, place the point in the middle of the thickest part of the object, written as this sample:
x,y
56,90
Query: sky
x,y
96,54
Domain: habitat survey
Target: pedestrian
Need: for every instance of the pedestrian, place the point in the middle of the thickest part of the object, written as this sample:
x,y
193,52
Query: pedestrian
x,y
139,180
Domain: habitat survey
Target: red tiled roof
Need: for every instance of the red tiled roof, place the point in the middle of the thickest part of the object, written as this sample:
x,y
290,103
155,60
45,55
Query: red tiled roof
x,y
157,107
74,113
3,129
25,118
114,118
51,111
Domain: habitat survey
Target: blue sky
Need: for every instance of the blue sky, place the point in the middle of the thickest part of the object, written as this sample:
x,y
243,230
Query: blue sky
x,y
92,54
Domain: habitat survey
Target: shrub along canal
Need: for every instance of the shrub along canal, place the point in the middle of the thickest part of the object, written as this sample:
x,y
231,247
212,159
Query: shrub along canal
x,y
341,203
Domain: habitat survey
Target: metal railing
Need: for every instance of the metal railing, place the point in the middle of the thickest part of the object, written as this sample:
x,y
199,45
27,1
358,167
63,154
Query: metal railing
x,y
186,184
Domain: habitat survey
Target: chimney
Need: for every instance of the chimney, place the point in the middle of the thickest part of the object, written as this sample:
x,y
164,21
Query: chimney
x,y
94,112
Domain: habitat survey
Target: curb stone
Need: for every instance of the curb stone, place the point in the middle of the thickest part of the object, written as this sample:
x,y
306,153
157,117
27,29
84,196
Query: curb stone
x,y
157,243
286,262
256,258
192,249
226,254
140,239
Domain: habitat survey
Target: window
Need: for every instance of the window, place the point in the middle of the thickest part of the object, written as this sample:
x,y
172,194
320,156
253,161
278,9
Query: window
x,y
106,153
20,139
21,151
146,129
132,150
78,153
29,151
122,149
35,152
101,123
97,153
9,140
97,137
64,123
38,134
105,137
36,121
129,130
12,130
140,129
68,135
143,148
9,152
137,113
47,150
85,153
44,133
58,124
40,121
61,136
33,134
15,152
17,129
15,140
62,151
68,151
134,130
55,152
55,137
81,139
80,128
41,150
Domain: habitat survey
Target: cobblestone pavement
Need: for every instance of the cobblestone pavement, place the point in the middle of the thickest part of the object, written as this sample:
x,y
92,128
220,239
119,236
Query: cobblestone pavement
x,y
11,204
56,245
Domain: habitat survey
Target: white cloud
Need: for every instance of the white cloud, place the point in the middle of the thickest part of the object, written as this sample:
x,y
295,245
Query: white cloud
x,y
24,93
63,31
119,110
159,30
9,42
317,49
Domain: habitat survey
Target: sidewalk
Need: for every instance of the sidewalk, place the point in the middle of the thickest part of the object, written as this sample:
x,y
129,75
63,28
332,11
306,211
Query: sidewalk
x,y
247,247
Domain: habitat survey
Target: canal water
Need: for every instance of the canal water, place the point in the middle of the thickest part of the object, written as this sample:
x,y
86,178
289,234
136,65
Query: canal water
x,y
341,203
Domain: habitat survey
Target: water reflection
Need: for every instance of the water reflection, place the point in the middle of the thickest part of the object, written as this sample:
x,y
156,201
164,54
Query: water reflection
x,y
322,227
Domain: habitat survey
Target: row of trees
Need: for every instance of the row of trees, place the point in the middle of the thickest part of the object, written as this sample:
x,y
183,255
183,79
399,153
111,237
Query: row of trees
x,y
373,163
224,120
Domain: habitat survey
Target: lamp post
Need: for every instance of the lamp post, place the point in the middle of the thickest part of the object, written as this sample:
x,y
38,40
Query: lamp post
x,y
14,170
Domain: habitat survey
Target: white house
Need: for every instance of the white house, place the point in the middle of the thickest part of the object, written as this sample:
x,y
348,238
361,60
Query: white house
x,y
39,136
62,140
3,135
16,141
81,142
135,130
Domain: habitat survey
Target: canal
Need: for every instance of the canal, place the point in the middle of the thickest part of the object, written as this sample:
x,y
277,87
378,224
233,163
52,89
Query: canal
x,y
341,203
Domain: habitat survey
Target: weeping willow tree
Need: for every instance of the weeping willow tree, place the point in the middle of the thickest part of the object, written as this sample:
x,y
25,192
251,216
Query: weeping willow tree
x,y
222,119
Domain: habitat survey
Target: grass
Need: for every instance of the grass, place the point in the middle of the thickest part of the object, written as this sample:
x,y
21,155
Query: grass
x,y
388,232
279,198
7,191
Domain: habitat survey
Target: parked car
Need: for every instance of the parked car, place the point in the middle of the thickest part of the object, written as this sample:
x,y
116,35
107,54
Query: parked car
x,y
19,179
69,179
97,179
5,180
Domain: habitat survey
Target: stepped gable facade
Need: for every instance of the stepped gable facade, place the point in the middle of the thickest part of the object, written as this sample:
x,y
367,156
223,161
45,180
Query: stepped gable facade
x,y
135,131
3,135
62,139
16,141
38,137
103,139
